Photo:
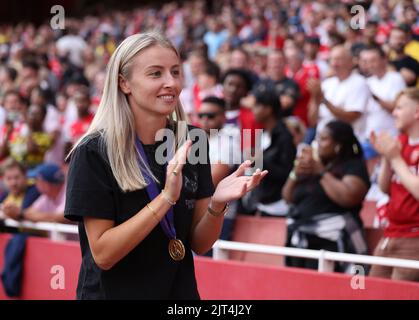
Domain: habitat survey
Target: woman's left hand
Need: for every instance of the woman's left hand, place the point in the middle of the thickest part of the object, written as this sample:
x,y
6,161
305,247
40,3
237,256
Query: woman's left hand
x,y
237,185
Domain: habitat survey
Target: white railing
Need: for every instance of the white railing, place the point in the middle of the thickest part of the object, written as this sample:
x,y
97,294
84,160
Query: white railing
x,y
326,259
58,231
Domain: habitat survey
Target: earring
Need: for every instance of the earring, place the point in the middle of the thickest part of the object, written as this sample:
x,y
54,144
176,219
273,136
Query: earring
x,y
337,149
355,148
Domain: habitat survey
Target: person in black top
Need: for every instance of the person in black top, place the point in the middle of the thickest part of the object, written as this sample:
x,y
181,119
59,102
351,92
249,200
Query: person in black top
x,y
278,150
140,216
286,88
326,191
405,64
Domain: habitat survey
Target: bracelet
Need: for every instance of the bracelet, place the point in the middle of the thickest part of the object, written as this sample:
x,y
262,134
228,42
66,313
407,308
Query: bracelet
x,y
218,214
166,197
153,212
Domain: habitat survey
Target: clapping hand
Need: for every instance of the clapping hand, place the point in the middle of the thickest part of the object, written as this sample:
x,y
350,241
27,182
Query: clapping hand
x,y
237,184
174,171
306,165
12,211
386,145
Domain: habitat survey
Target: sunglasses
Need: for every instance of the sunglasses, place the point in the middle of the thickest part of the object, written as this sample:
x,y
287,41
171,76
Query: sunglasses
x,y
209,115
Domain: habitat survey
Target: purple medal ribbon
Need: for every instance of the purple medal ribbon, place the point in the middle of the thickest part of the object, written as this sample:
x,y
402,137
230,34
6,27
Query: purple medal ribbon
x,y
167,223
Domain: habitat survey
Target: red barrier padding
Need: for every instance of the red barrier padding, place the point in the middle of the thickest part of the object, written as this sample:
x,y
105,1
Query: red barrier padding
x,y
216,279
243,281
41,255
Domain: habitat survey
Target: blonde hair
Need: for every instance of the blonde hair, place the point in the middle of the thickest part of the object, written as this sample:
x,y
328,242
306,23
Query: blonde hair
x,y
411,93
114,121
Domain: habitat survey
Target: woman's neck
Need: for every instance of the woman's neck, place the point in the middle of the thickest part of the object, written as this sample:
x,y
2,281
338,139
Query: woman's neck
x,y
146,127
17,193
413,132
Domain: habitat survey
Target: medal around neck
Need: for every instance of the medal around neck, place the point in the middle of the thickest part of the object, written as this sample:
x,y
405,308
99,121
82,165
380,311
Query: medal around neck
x,y
176,249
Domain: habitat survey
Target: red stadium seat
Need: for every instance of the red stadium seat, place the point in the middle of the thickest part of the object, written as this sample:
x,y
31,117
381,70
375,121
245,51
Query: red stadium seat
x,y
261,230
272,231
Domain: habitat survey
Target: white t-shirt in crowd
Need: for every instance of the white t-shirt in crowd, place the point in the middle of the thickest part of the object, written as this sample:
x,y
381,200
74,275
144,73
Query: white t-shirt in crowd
x,y
2,116
387,89
186,100
225,147
351,94
52,119
73,45
70,116
52,123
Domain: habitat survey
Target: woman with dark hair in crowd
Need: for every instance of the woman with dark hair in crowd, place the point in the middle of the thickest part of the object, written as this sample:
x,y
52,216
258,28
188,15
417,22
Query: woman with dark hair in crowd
x,y
278,152
326,190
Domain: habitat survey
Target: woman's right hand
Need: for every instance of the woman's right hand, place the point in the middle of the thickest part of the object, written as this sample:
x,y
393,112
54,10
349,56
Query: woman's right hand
x,y
302,161
174,168
306,165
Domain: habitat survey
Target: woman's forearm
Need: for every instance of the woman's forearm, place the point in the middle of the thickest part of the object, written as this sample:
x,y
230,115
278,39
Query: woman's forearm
x,y
206,233
114,243
313,111
334,189
384,177
207,230
340,192
288,190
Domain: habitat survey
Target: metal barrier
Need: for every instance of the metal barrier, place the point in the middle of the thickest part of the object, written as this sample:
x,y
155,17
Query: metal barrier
x,y
326,259
57,230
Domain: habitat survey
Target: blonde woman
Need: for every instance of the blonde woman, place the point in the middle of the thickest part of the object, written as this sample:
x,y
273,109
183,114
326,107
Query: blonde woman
x,y
140,220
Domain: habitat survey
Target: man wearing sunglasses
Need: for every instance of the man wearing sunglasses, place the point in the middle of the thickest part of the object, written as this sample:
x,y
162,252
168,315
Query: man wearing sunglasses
x,y
224,148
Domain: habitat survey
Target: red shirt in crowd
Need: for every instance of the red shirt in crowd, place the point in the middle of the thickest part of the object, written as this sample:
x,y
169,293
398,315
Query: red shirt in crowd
x,y
403,209
247,121
17,129
301,77
79,127
383,32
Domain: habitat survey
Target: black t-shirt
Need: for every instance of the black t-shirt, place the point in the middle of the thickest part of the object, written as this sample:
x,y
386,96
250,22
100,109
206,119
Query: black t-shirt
x,y
147,272
310,198
278,159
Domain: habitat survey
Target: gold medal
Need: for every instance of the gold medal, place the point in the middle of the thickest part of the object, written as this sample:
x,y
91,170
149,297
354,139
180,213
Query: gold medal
x,y
176,249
